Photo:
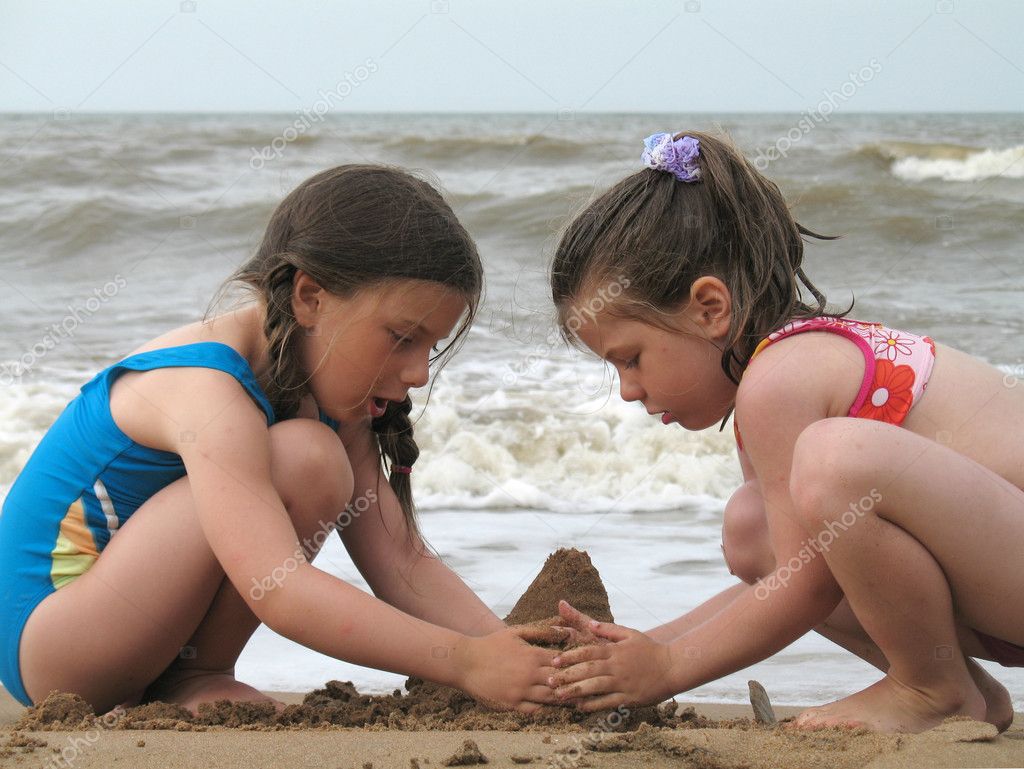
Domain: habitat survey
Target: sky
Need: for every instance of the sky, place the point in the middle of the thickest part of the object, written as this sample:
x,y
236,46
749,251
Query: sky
x,y
529,55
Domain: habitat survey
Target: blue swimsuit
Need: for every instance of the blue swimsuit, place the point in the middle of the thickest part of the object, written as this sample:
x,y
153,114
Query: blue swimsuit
x,y
82,482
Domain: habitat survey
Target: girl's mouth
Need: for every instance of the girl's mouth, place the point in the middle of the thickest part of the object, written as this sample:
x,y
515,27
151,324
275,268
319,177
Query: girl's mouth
x,y
667,419
377,407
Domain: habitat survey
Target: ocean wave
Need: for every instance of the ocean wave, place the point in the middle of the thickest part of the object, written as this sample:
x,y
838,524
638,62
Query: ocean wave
x,y
917,161
986,164
890,151
455,148
507,448
522,448
531,216
70,228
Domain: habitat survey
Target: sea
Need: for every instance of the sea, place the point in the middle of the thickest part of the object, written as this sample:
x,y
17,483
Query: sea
x,y
117,227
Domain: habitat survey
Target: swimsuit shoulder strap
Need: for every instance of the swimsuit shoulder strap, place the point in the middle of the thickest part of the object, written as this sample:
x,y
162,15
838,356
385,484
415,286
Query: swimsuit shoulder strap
x,y
215,355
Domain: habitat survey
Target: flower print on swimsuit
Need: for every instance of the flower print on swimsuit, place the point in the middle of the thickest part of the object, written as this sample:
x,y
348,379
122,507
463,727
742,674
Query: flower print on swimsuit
x,y
893,345
892,393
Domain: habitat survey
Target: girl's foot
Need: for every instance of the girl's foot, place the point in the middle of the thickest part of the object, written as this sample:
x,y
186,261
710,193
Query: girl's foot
x,y
998,705
189,688
889,706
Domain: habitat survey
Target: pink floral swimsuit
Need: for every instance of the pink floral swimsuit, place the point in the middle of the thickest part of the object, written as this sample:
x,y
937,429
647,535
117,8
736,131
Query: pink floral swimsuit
x,y
897,366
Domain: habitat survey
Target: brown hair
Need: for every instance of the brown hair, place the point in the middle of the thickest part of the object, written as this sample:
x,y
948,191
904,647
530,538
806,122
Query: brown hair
x,y
660,235
350,228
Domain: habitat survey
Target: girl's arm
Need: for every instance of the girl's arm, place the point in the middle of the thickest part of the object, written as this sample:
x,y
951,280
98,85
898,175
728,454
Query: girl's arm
x,y
777,401
396,564
705,611
697,616
223,441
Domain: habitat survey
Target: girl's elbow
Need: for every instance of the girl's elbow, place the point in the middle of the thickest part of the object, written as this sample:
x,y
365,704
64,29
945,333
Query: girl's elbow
x,y
809,589
822,593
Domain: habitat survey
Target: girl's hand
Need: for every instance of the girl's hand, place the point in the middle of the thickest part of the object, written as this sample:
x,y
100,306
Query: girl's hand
x,y
632,669
504,672
578,626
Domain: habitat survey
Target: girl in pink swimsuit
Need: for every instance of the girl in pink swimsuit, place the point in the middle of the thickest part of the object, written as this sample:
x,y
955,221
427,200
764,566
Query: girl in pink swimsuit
x,y
865,450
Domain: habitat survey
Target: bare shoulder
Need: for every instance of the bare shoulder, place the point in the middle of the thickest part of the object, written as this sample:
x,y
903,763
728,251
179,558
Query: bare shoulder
x,y
791,384
165,407
815,370
238,329
152,407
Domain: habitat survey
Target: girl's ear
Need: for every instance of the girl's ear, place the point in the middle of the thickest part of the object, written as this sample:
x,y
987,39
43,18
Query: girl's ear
x,y
710,306
307,297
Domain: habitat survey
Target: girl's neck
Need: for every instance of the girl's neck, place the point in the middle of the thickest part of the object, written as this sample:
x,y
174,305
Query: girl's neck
x,y
250,321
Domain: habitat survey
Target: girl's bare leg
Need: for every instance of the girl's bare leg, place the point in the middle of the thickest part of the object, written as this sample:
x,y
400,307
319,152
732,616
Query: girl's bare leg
x,y
843,628
748,552
904,559
156,604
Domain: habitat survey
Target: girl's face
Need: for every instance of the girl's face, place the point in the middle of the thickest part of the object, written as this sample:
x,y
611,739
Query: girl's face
x,y
676,375
374,346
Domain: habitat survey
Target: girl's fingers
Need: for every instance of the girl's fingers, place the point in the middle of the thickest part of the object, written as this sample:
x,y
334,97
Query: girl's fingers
x,y
544,695
573,617
580,672
610,630
588,688
581,654
603,702
539,633
572,635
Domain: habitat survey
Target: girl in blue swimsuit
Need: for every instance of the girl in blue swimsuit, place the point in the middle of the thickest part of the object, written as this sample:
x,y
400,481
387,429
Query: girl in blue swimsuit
x,y
178,500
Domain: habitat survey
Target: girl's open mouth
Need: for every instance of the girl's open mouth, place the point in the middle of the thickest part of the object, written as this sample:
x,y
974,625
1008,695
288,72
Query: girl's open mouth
x,y
378,406
667,419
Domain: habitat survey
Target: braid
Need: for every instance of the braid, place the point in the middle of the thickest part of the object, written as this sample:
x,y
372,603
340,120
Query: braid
x,y
287,382
398,449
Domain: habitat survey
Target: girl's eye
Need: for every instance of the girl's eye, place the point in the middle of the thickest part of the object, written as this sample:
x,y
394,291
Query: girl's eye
x,y
632,362
400,339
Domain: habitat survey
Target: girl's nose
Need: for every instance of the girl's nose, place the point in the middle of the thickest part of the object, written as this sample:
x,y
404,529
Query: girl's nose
x,y
416,372
630,389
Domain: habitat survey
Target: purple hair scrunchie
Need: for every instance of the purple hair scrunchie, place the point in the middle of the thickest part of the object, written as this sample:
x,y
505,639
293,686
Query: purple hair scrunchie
x,y
676,156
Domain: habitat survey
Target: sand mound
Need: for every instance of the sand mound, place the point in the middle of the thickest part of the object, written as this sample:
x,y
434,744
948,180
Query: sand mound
x,y
567,574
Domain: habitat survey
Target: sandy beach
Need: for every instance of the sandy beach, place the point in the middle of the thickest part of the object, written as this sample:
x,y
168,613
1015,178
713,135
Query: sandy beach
x,y
428,725
729,744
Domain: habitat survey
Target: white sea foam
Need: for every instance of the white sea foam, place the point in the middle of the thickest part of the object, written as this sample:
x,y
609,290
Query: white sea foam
x,y
1007,163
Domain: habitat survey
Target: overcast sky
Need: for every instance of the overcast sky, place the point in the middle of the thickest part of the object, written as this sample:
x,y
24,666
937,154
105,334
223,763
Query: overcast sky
x,y
524,55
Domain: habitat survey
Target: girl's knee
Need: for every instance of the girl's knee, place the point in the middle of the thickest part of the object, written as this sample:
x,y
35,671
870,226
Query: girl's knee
x,y
310,470
822,466
745,539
